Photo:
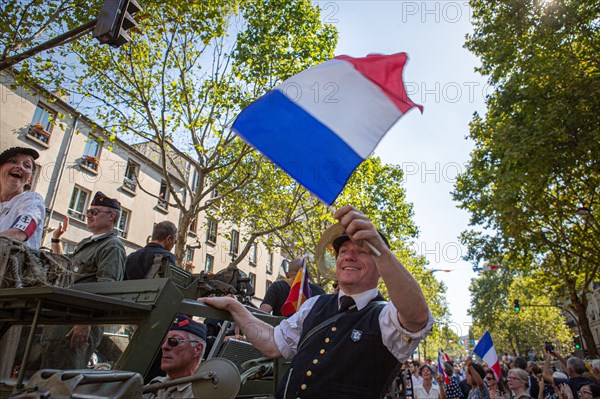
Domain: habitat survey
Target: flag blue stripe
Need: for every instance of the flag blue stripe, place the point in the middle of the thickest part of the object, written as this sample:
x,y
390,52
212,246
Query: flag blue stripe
x,y
484,345
298,143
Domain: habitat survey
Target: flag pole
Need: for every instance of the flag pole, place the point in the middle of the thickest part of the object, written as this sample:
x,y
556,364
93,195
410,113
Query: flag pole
x,y
367,243
302,282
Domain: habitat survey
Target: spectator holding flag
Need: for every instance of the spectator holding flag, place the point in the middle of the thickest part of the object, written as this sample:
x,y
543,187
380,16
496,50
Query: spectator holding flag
x,y
450,387
475,376
278,293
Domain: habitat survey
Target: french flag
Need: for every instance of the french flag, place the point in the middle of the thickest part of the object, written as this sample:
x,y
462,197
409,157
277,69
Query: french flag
x,y
321,123
486,351
441,369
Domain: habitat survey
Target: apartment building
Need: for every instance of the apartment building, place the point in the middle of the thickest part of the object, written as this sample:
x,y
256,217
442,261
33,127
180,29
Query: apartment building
x,y
75,162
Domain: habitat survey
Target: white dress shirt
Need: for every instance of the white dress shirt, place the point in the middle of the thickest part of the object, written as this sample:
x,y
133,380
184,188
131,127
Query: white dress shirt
x,y
400,342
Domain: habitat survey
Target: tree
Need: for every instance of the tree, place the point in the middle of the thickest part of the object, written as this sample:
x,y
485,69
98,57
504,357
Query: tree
x,y
537,151
189,71
538,321
25,25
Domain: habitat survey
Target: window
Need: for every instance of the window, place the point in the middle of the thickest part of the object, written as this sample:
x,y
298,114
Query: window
x,y
253,255
41,124
78,203
130,177
209,263
253,279
270,263
211,231
68,246
195,180
91,154
189,254
163,195
123,224
235,242
194,225
267,285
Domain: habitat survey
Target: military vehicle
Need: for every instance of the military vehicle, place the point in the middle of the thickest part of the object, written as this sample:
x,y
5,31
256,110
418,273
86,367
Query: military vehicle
x,y
136,316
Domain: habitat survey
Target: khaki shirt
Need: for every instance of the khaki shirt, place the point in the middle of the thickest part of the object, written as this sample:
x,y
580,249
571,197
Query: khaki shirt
x,y
183,391
99,259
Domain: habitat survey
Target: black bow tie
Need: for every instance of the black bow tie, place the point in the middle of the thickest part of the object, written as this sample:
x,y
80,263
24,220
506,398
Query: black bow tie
x,y
347,303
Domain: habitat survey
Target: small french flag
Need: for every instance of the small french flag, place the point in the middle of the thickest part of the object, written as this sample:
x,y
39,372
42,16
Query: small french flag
x,y
441,369
321,123
486,351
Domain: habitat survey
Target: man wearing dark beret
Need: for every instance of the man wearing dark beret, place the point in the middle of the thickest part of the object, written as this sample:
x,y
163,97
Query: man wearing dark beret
x,y
99,258
182,351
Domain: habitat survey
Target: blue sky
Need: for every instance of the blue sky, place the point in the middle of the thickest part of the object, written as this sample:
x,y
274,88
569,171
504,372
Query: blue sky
x,y
432,148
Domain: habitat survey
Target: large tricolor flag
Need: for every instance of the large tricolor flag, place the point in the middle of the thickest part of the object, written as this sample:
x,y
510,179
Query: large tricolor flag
x,y
486,351
321,123
441,369
299,292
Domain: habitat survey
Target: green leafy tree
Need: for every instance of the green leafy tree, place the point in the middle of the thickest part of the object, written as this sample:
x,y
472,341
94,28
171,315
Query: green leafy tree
x,y
538,320
535,167
24,25
179,85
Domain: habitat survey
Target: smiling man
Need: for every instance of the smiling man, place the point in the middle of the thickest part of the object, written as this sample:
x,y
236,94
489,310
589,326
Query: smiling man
x,y
182,351
99,258
345,345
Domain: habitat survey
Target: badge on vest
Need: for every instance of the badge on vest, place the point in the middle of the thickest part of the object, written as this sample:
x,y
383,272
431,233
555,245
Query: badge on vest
x,y
355,336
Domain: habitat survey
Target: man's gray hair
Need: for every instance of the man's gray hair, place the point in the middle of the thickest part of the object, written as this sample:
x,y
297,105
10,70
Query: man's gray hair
x,y
577,365
194,340
596,364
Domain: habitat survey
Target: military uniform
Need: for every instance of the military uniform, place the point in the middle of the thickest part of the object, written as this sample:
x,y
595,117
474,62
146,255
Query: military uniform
x,y
99,259
183,391
96,259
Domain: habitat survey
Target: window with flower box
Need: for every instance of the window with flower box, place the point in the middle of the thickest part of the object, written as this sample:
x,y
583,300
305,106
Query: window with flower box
x,y
189,254
40,129
91,155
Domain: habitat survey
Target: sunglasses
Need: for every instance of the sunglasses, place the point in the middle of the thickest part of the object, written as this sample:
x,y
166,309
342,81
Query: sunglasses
x,y
490,378
173,342
95,211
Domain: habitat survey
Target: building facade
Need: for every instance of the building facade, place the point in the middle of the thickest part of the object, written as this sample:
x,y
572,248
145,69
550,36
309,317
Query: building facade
x,y
76,160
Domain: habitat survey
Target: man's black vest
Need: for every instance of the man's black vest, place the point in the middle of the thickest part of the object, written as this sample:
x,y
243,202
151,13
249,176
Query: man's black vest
x,y
347,359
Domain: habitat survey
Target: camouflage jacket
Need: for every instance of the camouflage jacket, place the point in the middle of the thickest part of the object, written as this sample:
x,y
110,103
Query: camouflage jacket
x,y
99,259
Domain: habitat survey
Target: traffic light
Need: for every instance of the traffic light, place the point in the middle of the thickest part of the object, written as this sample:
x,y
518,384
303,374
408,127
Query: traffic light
x,y
517,306
116,17
577,341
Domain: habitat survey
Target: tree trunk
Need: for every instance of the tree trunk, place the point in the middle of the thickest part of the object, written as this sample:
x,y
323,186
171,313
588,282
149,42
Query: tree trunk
x,y
580,307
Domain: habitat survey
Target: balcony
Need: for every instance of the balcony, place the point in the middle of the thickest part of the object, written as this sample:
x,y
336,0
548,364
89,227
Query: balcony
x,y
39,134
